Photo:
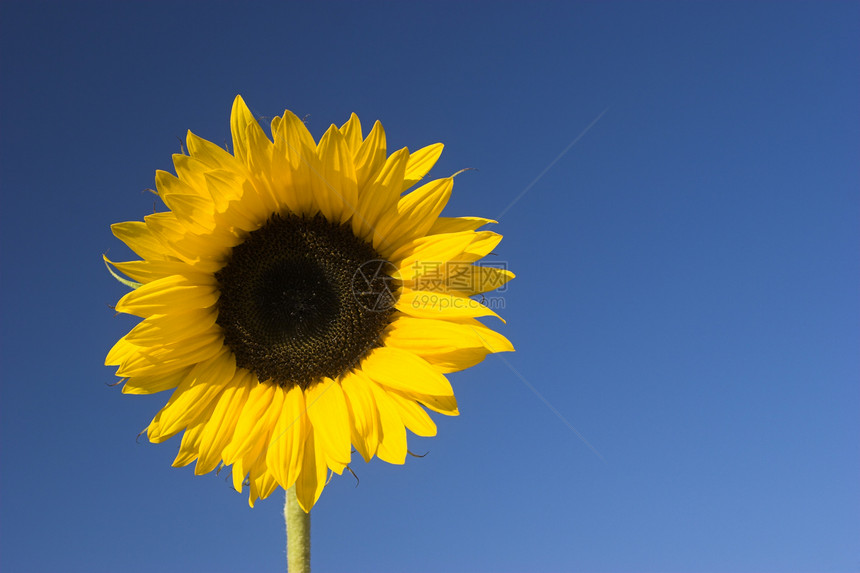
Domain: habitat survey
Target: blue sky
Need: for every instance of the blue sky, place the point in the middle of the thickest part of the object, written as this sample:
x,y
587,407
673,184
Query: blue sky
x,y
686,298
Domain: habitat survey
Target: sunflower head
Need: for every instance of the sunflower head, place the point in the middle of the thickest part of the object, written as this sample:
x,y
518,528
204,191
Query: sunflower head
x,y
301,301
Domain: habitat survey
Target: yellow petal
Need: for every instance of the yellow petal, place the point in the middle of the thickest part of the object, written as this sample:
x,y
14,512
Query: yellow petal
x,y
284,455
327,412
455,277
370,157
225,168
424,336
192,206
456,360
457,224
147,271
211,155
364,417
336,189
392,445
312,479
190,171
153,384
250,144
295,146
244,210
254,150
380,195
420,162
413,215
285,193
168,231
202,384
189,447
165,328
169,294
120,352
262,480
139,239
428,304
490,339
251,427
472,279
446,405
254,457
351,131
239,472
166,358
205,254
481,246
222,422
413,416
466,246
404,371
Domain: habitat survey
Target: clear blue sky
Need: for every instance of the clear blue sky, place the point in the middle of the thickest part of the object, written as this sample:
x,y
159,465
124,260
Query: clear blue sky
x,y
687,291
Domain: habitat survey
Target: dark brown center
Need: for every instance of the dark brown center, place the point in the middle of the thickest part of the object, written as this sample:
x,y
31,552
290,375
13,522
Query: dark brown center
x,y
303,298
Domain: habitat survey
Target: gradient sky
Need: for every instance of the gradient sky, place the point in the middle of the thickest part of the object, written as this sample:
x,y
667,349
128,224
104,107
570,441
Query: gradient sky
x,y
678,186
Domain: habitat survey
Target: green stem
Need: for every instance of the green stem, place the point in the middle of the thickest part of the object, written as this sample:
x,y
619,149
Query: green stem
x,y
298,535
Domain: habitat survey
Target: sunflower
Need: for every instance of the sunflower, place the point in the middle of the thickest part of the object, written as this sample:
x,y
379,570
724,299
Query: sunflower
x,y
300,304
